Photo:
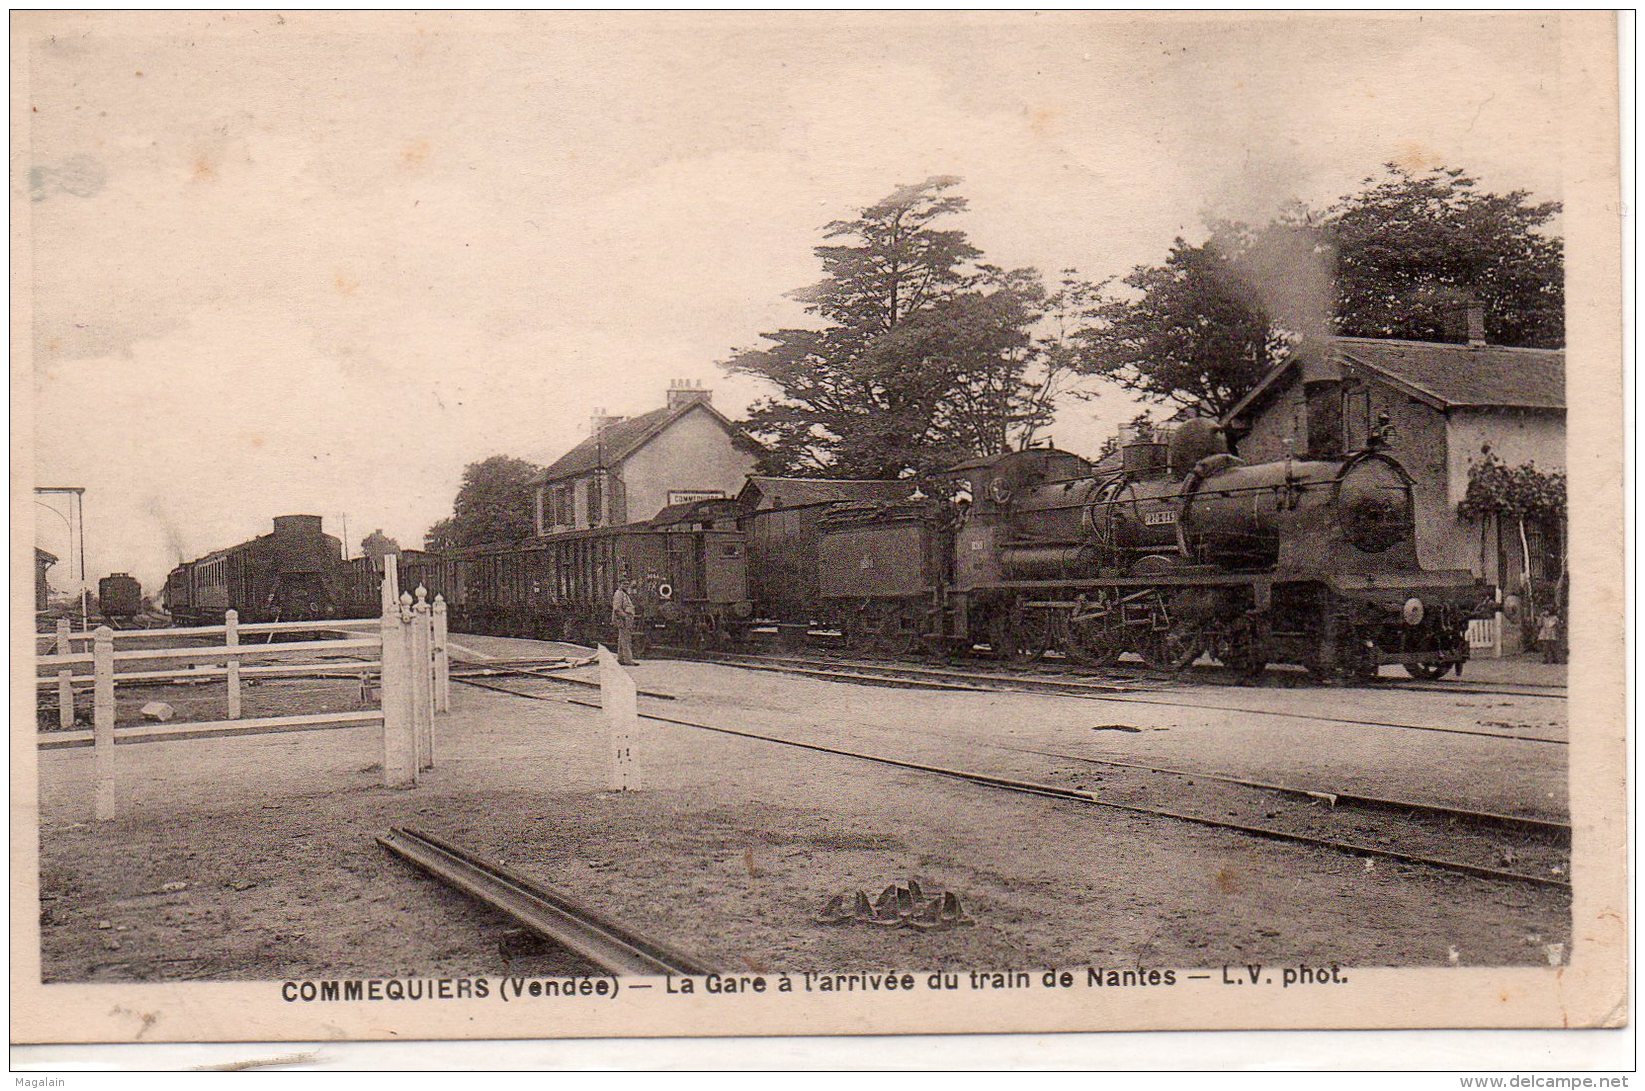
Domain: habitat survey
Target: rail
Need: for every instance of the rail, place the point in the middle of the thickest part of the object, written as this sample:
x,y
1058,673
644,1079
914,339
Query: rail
x,y
407,652
550,913
86,636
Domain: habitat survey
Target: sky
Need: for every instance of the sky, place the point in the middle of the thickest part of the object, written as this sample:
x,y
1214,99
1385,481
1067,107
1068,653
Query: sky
x,y
312,263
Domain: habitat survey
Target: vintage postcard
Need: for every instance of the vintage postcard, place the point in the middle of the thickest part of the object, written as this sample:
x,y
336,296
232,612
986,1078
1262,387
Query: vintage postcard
x,y
554,525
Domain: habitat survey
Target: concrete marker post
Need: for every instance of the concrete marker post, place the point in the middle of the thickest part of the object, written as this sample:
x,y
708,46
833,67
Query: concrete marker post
x,y
422,688
65,687
102,720
618,699
231,639
399,733
442,657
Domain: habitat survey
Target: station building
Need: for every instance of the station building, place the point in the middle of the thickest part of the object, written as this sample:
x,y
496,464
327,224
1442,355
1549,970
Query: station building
x,y
631,468
1451,405
42,587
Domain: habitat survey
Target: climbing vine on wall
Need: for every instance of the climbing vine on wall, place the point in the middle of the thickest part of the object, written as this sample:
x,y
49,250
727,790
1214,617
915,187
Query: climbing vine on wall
x,y
1521,493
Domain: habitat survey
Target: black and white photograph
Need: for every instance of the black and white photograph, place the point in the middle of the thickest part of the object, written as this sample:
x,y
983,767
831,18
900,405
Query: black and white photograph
x,y
576,524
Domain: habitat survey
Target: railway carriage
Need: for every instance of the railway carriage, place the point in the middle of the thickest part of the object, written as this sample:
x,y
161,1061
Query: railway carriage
x,y
688,563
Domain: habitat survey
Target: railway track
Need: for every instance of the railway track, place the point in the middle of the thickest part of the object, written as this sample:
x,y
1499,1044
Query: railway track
x,y
549,912
1541,843
914,676
1048,673
1125,672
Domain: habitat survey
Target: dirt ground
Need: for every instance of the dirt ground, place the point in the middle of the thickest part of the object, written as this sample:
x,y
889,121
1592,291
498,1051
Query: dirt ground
x,y
254,858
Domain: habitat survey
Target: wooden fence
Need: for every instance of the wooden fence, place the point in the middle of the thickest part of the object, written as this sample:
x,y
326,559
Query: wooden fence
x,y
1485,637
406,649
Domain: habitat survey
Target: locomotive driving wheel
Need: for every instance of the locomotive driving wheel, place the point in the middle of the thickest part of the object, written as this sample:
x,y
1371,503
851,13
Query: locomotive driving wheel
x,y
1090,637
1178,631
1171,649
1427,672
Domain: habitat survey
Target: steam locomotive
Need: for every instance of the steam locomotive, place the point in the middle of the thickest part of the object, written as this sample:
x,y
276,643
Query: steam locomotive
x,y
1184,550
295,573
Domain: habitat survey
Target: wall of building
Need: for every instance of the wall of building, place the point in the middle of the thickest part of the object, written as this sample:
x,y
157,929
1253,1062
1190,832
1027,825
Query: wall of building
x,y
1436,449
1516,436
1418,442
695,453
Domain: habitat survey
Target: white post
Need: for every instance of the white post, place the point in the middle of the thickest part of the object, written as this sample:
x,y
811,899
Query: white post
x,y
399,738
231,639
618,699
391,583
442,658
65,688
102,720
422,688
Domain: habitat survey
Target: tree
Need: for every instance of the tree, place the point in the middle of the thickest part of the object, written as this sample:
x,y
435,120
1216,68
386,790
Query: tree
x,y
1413,248
1400,259
1518,495
921,354
493,504
1189,333
378,545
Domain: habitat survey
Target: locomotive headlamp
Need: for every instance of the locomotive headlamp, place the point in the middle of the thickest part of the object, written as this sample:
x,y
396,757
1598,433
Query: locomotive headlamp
x,y
1413,611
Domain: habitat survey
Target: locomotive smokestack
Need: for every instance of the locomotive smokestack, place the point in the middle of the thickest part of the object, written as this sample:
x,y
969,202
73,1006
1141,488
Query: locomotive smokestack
x,y
1322,396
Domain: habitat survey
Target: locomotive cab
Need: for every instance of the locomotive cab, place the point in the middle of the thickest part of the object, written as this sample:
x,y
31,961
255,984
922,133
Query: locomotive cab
x,y
1024,519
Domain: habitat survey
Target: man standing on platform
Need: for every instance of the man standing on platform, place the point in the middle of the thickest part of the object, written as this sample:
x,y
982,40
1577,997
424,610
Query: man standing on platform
x,y
622,616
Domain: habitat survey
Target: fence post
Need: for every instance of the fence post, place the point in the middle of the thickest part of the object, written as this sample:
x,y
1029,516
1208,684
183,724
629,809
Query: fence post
x,y
65,688
619,701
442,658
391,583
102,720
422,690
231,639
399,738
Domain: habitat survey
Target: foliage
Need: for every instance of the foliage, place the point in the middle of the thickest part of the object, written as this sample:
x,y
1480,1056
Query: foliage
x,y
1514,492
493,504
1401,258
1413,248
922,354
1189,332
378,545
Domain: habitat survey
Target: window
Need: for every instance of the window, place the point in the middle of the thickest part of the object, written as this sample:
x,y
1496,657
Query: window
x,y
1356,418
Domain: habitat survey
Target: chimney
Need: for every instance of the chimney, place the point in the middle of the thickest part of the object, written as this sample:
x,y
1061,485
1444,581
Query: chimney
x,y
600,422
1476,325
1322,397
685,391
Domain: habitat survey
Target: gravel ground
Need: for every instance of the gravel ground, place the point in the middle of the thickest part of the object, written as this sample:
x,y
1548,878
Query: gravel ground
x,y
1266,735
733,846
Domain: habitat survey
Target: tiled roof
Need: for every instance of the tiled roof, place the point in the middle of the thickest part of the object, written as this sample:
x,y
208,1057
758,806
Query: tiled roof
x,y
1446,376
696,511
617,441
793,492
1457,375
